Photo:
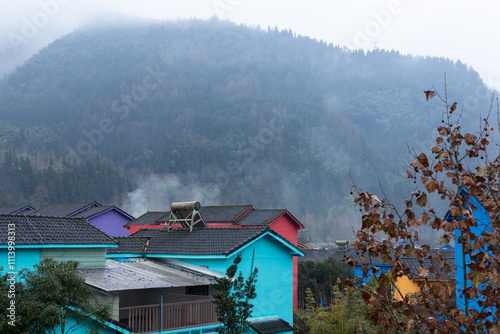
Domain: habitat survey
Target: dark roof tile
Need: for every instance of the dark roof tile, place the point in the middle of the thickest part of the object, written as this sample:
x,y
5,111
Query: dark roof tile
x,y
63,209
149,218
96,210
224,213
129,245
206,241
11,210
260,217
412,264
38,230
271,325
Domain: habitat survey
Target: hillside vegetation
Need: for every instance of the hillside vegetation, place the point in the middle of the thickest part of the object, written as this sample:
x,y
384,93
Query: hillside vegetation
x,y
251,116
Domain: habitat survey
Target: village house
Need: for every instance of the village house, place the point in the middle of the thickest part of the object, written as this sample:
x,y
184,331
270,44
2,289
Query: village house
x,y
158,280
410,283
278,220
62,239
109,219
483,224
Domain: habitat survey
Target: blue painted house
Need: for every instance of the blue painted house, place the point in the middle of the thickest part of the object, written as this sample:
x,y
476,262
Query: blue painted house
x,y
483,224
211,250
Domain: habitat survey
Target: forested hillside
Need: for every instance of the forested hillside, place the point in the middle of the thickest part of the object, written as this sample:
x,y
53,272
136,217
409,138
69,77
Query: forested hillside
x,y
250,116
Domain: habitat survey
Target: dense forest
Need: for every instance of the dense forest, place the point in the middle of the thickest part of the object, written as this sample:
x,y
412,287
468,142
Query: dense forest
x,y
247,115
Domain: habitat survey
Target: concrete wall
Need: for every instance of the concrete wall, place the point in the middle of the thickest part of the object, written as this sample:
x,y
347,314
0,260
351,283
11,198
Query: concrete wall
x,y
112,301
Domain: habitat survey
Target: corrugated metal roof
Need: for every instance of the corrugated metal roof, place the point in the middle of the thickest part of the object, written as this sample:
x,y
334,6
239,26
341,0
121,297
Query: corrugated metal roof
x,y
144,274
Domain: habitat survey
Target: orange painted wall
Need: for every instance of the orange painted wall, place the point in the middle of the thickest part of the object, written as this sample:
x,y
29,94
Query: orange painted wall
x,y
405,286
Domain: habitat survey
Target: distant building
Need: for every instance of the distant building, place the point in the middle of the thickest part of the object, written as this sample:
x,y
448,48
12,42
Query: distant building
x,y
109,219
409,284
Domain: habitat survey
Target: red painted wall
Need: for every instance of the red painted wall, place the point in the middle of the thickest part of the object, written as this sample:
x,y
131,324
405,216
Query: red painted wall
x,y
135,228
287,228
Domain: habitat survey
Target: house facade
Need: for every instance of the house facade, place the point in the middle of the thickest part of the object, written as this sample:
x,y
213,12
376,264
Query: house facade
x,y
483,223
410,284
278,220
27,240
213,250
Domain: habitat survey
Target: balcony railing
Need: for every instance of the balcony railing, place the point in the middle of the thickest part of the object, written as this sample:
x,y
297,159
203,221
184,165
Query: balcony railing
x,y
146,318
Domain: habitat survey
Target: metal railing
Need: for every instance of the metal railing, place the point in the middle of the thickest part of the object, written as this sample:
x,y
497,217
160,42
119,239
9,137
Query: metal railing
x,y
146,318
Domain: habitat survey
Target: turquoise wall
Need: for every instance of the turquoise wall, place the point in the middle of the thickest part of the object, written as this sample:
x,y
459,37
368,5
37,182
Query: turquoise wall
x,y
84,329
25,258
275,278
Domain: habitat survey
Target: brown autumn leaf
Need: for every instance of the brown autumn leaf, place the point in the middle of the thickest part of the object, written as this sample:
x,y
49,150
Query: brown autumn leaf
x,y
429,94
443,131
468,181
453,107
422,158
422,200
455,212
423,272
470,139
435,149
430,185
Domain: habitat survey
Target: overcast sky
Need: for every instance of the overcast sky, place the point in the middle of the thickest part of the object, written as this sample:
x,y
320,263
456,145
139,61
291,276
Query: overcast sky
x,y
465,30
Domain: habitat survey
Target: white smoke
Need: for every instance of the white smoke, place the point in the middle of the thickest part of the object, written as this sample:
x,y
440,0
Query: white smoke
x,y
157,192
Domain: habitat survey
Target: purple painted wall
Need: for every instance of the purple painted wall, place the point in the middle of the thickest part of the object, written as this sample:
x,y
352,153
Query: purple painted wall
x,y
111,222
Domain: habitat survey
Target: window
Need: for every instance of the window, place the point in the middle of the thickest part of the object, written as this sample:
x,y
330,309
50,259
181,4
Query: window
x,y
201,290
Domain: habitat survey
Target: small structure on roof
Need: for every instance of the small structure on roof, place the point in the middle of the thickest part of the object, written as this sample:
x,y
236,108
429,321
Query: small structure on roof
x,y
187,214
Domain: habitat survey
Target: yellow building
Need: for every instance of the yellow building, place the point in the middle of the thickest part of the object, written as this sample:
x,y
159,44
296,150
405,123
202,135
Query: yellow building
x,y
411,282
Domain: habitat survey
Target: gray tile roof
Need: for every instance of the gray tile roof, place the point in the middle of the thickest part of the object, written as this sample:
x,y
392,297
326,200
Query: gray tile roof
x,y
180,241
96,210
237,214
10,210
343,255
206,241
149,218
412,264
270,325
142,274
260,217
63,209
130,245
224,213
37,230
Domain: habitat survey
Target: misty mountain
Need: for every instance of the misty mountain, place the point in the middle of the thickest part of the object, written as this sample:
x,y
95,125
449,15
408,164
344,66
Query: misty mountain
x,y
222,113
